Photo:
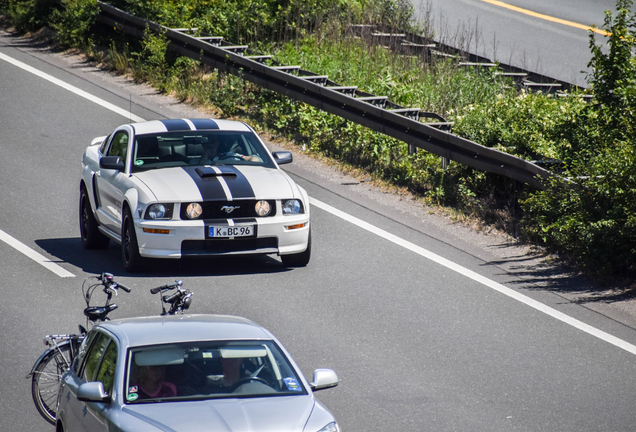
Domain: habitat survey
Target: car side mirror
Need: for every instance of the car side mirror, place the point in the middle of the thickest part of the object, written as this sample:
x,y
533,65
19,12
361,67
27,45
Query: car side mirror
x,y
283,157
323,379
111,162
92,392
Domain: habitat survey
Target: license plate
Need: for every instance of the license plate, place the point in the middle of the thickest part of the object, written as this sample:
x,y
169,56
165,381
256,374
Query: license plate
x,y
231,231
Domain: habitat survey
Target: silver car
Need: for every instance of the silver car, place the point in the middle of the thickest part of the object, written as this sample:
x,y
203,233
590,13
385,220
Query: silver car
x,y
189,373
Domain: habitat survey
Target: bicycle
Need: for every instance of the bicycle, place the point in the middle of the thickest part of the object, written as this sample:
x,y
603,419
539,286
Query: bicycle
x,y
47,371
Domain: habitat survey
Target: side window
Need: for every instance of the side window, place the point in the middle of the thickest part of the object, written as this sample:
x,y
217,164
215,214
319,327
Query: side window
x,y
102,146
119,146
106,373
82,350
93,357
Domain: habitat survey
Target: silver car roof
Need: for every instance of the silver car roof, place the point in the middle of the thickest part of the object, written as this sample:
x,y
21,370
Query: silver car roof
x,y
182,328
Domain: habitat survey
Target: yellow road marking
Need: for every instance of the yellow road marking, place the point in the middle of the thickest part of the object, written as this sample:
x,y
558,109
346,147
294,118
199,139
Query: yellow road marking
x,y
546,17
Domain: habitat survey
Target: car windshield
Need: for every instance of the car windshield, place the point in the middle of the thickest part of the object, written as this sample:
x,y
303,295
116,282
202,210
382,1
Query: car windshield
x,y
169,149
207,370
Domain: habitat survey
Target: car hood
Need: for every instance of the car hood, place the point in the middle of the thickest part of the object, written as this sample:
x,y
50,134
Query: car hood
x,y
200,183
272,414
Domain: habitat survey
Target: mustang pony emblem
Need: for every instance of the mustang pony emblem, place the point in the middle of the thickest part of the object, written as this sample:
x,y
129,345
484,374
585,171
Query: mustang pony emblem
x,y
229,209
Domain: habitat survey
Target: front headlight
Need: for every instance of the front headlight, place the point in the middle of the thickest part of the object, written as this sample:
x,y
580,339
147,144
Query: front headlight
x,y
292,207
159,211
331,427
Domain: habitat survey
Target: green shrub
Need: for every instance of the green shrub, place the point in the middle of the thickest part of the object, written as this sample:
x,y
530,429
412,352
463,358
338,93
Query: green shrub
x,y
28,15
73,23
594,222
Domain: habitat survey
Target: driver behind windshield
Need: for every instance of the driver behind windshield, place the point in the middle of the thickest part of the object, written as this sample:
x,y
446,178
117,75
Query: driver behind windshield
x,y
212,153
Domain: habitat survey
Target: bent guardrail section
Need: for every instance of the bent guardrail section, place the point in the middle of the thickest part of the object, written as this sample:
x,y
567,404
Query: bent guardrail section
x,y
374,112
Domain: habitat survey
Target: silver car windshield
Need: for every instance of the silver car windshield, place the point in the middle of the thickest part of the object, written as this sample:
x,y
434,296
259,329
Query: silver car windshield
x,y
170,149
206,370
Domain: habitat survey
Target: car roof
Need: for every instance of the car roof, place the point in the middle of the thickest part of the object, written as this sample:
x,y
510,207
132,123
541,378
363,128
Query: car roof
x,y
169,125
183,328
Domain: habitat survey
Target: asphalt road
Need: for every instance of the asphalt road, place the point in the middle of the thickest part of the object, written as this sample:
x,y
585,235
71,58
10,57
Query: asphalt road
x,y
536,35
426,330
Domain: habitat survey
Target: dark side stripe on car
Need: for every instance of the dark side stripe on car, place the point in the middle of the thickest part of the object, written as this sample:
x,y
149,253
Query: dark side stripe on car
x,y
229,184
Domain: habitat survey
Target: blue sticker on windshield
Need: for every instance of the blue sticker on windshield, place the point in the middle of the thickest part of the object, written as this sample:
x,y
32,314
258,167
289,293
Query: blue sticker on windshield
x,y
292,384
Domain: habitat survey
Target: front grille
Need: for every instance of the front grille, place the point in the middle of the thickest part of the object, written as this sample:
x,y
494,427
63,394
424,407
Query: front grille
x,y
241,209
222,246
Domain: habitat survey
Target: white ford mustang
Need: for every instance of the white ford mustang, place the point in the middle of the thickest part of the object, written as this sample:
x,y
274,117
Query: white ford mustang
x,y
191,187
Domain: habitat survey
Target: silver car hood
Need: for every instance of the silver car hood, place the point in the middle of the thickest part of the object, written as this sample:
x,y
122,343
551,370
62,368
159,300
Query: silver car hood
x,y
183,184
272,414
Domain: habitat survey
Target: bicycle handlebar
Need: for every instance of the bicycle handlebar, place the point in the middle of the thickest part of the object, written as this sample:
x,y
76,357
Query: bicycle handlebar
x,y
124,287
174,297
168,287
109,282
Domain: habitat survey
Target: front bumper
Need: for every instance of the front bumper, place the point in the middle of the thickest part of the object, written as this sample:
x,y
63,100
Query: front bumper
x,y
188,238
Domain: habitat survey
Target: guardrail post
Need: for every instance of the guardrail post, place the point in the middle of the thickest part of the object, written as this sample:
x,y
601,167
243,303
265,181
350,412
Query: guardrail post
x,y
445,162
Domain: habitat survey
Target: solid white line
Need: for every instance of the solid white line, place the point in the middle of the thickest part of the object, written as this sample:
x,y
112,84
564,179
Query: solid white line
x,y
478,278
35,256
71,88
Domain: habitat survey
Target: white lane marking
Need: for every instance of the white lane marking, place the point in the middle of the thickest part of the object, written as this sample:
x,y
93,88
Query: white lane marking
x,y
71,88
35,256
19,246
478,278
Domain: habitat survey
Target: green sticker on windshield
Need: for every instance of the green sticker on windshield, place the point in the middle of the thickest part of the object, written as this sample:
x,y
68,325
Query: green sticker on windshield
x,y
132,397
139,162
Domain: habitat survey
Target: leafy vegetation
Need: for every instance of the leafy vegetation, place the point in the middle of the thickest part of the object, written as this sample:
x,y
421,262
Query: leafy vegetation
x,y
592,222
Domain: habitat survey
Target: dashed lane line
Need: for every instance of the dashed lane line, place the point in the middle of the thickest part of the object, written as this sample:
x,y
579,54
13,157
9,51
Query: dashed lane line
x,y
35,256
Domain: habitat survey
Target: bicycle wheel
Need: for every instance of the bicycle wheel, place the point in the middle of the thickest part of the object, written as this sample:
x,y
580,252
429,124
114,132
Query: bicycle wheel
x,y
46,380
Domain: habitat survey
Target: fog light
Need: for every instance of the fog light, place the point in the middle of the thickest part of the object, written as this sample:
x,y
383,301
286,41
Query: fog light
x,y
262,208
194,210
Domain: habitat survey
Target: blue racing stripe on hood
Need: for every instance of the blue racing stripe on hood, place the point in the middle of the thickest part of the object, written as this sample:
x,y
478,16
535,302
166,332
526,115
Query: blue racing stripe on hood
x,y
175,125
209,187
202,124
239,185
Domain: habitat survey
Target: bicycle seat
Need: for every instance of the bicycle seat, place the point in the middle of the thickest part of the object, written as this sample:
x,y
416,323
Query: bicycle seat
x,y
95,313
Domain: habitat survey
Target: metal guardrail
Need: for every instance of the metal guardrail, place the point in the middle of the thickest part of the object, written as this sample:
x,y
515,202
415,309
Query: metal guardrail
x,y
374,112
409,43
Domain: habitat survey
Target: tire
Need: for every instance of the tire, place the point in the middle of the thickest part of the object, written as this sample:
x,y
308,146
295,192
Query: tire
x,y
46,380
299,259
131,258
92,238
